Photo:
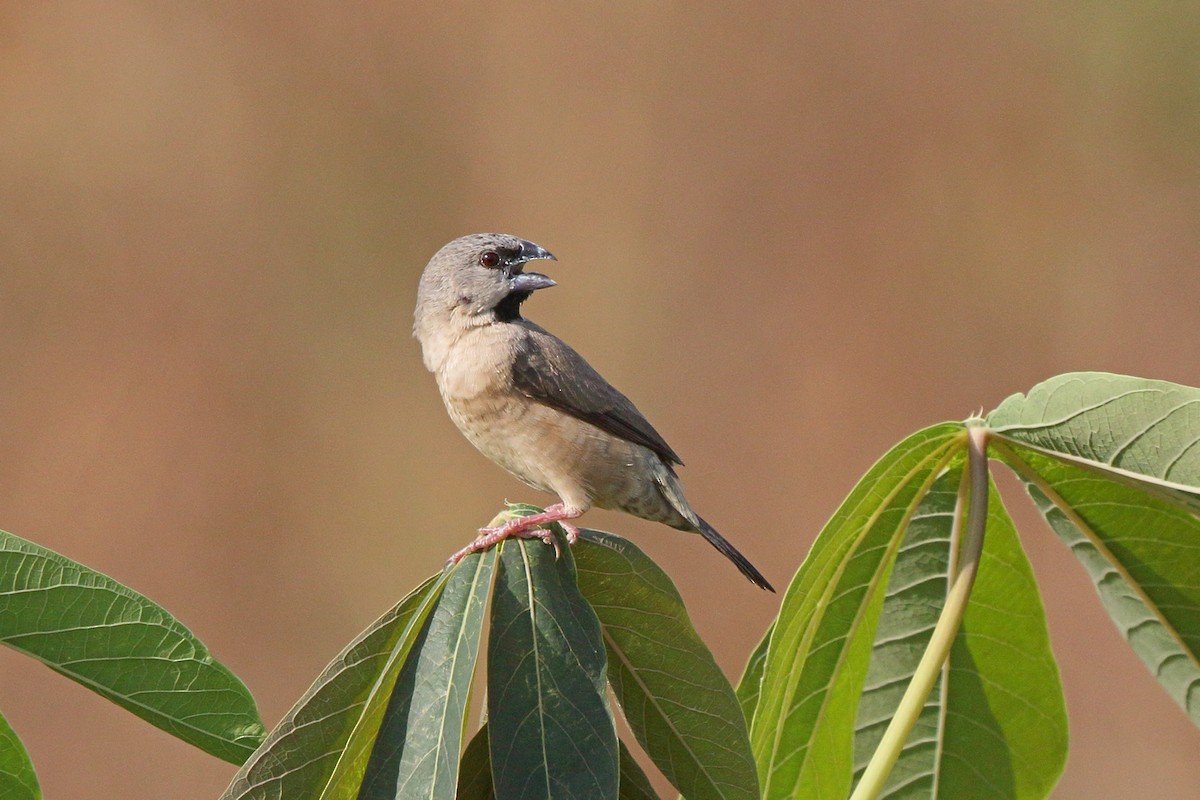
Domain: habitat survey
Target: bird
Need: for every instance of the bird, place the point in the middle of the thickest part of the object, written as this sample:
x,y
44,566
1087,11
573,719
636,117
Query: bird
x,y
534,406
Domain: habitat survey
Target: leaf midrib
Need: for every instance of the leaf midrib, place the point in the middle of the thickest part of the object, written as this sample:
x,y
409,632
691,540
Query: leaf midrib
x,y
662,715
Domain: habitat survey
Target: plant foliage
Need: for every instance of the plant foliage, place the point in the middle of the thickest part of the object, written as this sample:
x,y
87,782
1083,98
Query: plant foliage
x,y
120,645
564,627
909,659
877,677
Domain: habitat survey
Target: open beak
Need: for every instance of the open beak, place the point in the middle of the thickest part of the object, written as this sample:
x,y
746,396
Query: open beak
x,y
531,281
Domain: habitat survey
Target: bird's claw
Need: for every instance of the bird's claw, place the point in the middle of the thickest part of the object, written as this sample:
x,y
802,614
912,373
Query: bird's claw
x,y
490,536
545,534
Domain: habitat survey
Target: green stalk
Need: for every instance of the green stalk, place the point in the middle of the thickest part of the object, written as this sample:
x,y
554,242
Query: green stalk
x,y
938,650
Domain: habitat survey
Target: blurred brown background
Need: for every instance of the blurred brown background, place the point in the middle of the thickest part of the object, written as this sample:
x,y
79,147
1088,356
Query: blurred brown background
x,y
793,236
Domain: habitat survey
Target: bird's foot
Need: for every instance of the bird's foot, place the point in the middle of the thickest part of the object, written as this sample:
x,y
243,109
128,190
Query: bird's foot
x,y
525,528
486,538
545,534
571,531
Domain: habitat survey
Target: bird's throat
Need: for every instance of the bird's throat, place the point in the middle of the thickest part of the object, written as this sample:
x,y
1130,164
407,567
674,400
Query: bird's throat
x,y
509,308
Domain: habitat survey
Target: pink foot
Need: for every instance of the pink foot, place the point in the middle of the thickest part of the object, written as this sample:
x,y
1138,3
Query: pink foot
x,y
525,528
571,531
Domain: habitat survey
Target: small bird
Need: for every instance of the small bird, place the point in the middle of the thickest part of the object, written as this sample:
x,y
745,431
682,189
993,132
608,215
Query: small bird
x,y
531,404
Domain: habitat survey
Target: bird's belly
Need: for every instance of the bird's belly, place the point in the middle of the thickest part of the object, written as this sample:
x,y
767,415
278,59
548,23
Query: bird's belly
x,y
498,427
556,453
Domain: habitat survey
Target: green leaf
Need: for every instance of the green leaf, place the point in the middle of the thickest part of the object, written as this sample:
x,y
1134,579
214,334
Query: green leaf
x,y
677,701
750,685
551,731
320,748
1140,552
1122,426
416,754
475,776
124,647
995,726
18,781
915,595
802,732
475,771
634,783
1113,464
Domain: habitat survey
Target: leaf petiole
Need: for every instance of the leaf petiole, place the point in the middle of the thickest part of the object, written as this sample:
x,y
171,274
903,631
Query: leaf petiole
x,y
875,775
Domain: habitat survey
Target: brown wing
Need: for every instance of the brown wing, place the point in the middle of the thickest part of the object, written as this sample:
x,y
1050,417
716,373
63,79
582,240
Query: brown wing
x,y
547,370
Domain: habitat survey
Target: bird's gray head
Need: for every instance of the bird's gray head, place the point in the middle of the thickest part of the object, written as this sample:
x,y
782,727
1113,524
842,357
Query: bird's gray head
x,y
480,278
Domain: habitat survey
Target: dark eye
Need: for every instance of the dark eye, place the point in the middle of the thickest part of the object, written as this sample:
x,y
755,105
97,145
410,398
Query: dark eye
x,y
489,258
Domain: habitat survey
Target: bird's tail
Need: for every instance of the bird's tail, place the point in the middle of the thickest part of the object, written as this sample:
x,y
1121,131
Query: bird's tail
x,y
687,519
729,551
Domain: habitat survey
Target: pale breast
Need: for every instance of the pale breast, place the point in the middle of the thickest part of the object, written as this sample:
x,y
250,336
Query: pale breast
x,y
476,387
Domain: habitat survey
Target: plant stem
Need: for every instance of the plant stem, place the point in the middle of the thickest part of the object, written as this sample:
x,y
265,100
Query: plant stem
x,y
938,650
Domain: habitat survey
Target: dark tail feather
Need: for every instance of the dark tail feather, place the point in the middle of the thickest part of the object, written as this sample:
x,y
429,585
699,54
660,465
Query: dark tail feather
x,y
729,551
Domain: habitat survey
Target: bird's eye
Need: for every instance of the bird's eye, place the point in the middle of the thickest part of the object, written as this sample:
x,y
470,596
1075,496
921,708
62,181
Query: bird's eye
x,y
489,258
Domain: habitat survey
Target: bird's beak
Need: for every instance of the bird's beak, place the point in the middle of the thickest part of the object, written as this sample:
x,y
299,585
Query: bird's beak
x,y
531,281
532,252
